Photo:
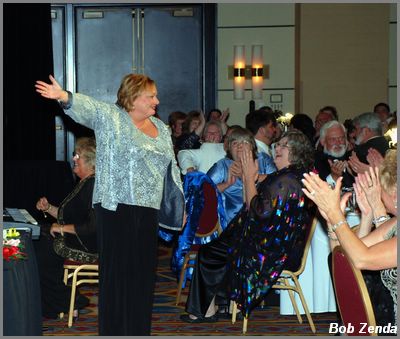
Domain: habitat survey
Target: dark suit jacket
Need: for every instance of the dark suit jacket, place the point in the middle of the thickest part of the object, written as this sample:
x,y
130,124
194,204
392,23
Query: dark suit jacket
x,y
323,168
379,143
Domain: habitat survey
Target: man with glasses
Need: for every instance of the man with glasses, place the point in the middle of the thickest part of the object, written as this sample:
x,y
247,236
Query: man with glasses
x,y
331,162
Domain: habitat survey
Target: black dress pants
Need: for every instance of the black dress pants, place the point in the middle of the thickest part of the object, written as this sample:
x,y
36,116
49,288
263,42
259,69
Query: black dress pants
x,y
127,244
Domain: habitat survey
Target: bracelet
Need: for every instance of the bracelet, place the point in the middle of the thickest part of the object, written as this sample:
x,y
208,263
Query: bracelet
x,y
380,219
330,235
48,209
61,229
335,226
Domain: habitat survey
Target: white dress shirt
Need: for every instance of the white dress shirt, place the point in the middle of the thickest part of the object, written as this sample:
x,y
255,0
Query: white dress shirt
x,y
201,159
262,147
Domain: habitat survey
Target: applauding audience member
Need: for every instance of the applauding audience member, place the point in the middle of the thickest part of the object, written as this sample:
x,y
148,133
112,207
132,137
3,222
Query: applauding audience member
x,y
175,121
192,129
376,250
266,236
368,130
210,151
227,172
331,163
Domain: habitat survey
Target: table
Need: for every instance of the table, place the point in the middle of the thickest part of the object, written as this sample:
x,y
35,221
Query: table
x,y
316,280
22,312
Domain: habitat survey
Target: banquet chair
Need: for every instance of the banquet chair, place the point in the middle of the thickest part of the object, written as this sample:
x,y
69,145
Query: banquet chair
x,y
80,274
351,294
288,280
208,224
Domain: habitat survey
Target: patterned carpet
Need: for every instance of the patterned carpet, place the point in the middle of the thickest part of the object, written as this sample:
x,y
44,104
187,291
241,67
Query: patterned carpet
x,y
165,321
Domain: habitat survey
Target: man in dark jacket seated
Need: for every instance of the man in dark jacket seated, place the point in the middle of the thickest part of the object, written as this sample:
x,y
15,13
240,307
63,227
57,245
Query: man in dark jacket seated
x,y
368,135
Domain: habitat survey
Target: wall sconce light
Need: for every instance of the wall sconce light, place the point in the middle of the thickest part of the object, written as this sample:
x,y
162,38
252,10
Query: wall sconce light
x,y
240,72
239,64
257,71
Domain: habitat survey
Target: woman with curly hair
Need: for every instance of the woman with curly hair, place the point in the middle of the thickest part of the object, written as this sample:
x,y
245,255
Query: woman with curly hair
x,y
270,227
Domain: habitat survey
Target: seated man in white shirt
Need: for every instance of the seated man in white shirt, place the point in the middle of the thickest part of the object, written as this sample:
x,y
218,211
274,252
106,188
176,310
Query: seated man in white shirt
x,y
211,150
263,126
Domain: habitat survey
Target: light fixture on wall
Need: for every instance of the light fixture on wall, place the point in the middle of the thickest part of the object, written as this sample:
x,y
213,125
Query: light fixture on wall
x,y
257,71
239,64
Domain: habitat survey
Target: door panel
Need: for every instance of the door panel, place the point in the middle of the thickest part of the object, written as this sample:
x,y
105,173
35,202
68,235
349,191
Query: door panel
x,y
173,58
103,51
121,40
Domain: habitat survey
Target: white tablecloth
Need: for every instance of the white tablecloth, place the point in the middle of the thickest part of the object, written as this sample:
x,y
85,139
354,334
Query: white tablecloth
x,y
315,281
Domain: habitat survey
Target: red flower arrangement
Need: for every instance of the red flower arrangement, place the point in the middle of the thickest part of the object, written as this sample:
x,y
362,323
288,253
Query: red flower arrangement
x,y
12,245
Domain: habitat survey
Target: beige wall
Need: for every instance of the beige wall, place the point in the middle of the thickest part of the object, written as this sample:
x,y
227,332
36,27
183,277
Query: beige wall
x,y
272,26
344,57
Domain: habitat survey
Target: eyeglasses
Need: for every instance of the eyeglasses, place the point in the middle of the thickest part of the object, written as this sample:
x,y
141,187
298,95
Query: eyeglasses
x,y
336,139
281,145
75,155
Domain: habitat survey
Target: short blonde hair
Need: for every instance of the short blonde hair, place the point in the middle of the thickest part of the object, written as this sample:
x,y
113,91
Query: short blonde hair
x,y
132,85
388,171
86,147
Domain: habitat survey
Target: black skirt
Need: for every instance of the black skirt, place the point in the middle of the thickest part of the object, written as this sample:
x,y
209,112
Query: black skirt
x,y
127,243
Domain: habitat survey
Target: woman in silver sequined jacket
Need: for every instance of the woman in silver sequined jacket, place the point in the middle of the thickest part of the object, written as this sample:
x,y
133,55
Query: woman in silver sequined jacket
x,y
135,158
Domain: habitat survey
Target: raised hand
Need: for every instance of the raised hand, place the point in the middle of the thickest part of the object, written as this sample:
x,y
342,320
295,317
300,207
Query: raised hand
x,y
370,184
51,91
224,116
319,191
249,165
362,201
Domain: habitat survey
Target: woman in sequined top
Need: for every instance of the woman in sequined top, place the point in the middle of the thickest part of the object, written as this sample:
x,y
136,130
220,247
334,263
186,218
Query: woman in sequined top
x,y
135,158
264,238
376,192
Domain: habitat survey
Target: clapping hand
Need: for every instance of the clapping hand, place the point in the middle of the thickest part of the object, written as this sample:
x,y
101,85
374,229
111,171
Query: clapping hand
x,y
249,165
321,193
337,168
374,158
236,169
370,184
356,165
362,201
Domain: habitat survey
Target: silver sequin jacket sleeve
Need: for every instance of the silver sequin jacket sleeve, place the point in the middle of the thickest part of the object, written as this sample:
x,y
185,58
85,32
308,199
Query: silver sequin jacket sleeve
x,y
130,166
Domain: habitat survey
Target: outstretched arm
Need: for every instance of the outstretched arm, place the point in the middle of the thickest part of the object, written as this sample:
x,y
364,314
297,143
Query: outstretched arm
x,y
51,91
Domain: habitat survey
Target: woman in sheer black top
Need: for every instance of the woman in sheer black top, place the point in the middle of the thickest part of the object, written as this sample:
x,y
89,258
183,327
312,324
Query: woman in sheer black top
x,y
72,236
264,238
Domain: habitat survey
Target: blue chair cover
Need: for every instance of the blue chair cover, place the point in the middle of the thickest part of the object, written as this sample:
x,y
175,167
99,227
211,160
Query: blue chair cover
x,y
194,197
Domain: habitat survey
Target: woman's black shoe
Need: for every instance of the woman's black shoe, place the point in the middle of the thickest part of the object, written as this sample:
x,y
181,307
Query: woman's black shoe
x,y
186,318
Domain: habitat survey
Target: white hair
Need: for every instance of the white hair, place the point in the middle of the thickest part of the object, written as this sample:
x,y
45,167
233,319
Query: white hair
x,y
328,125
